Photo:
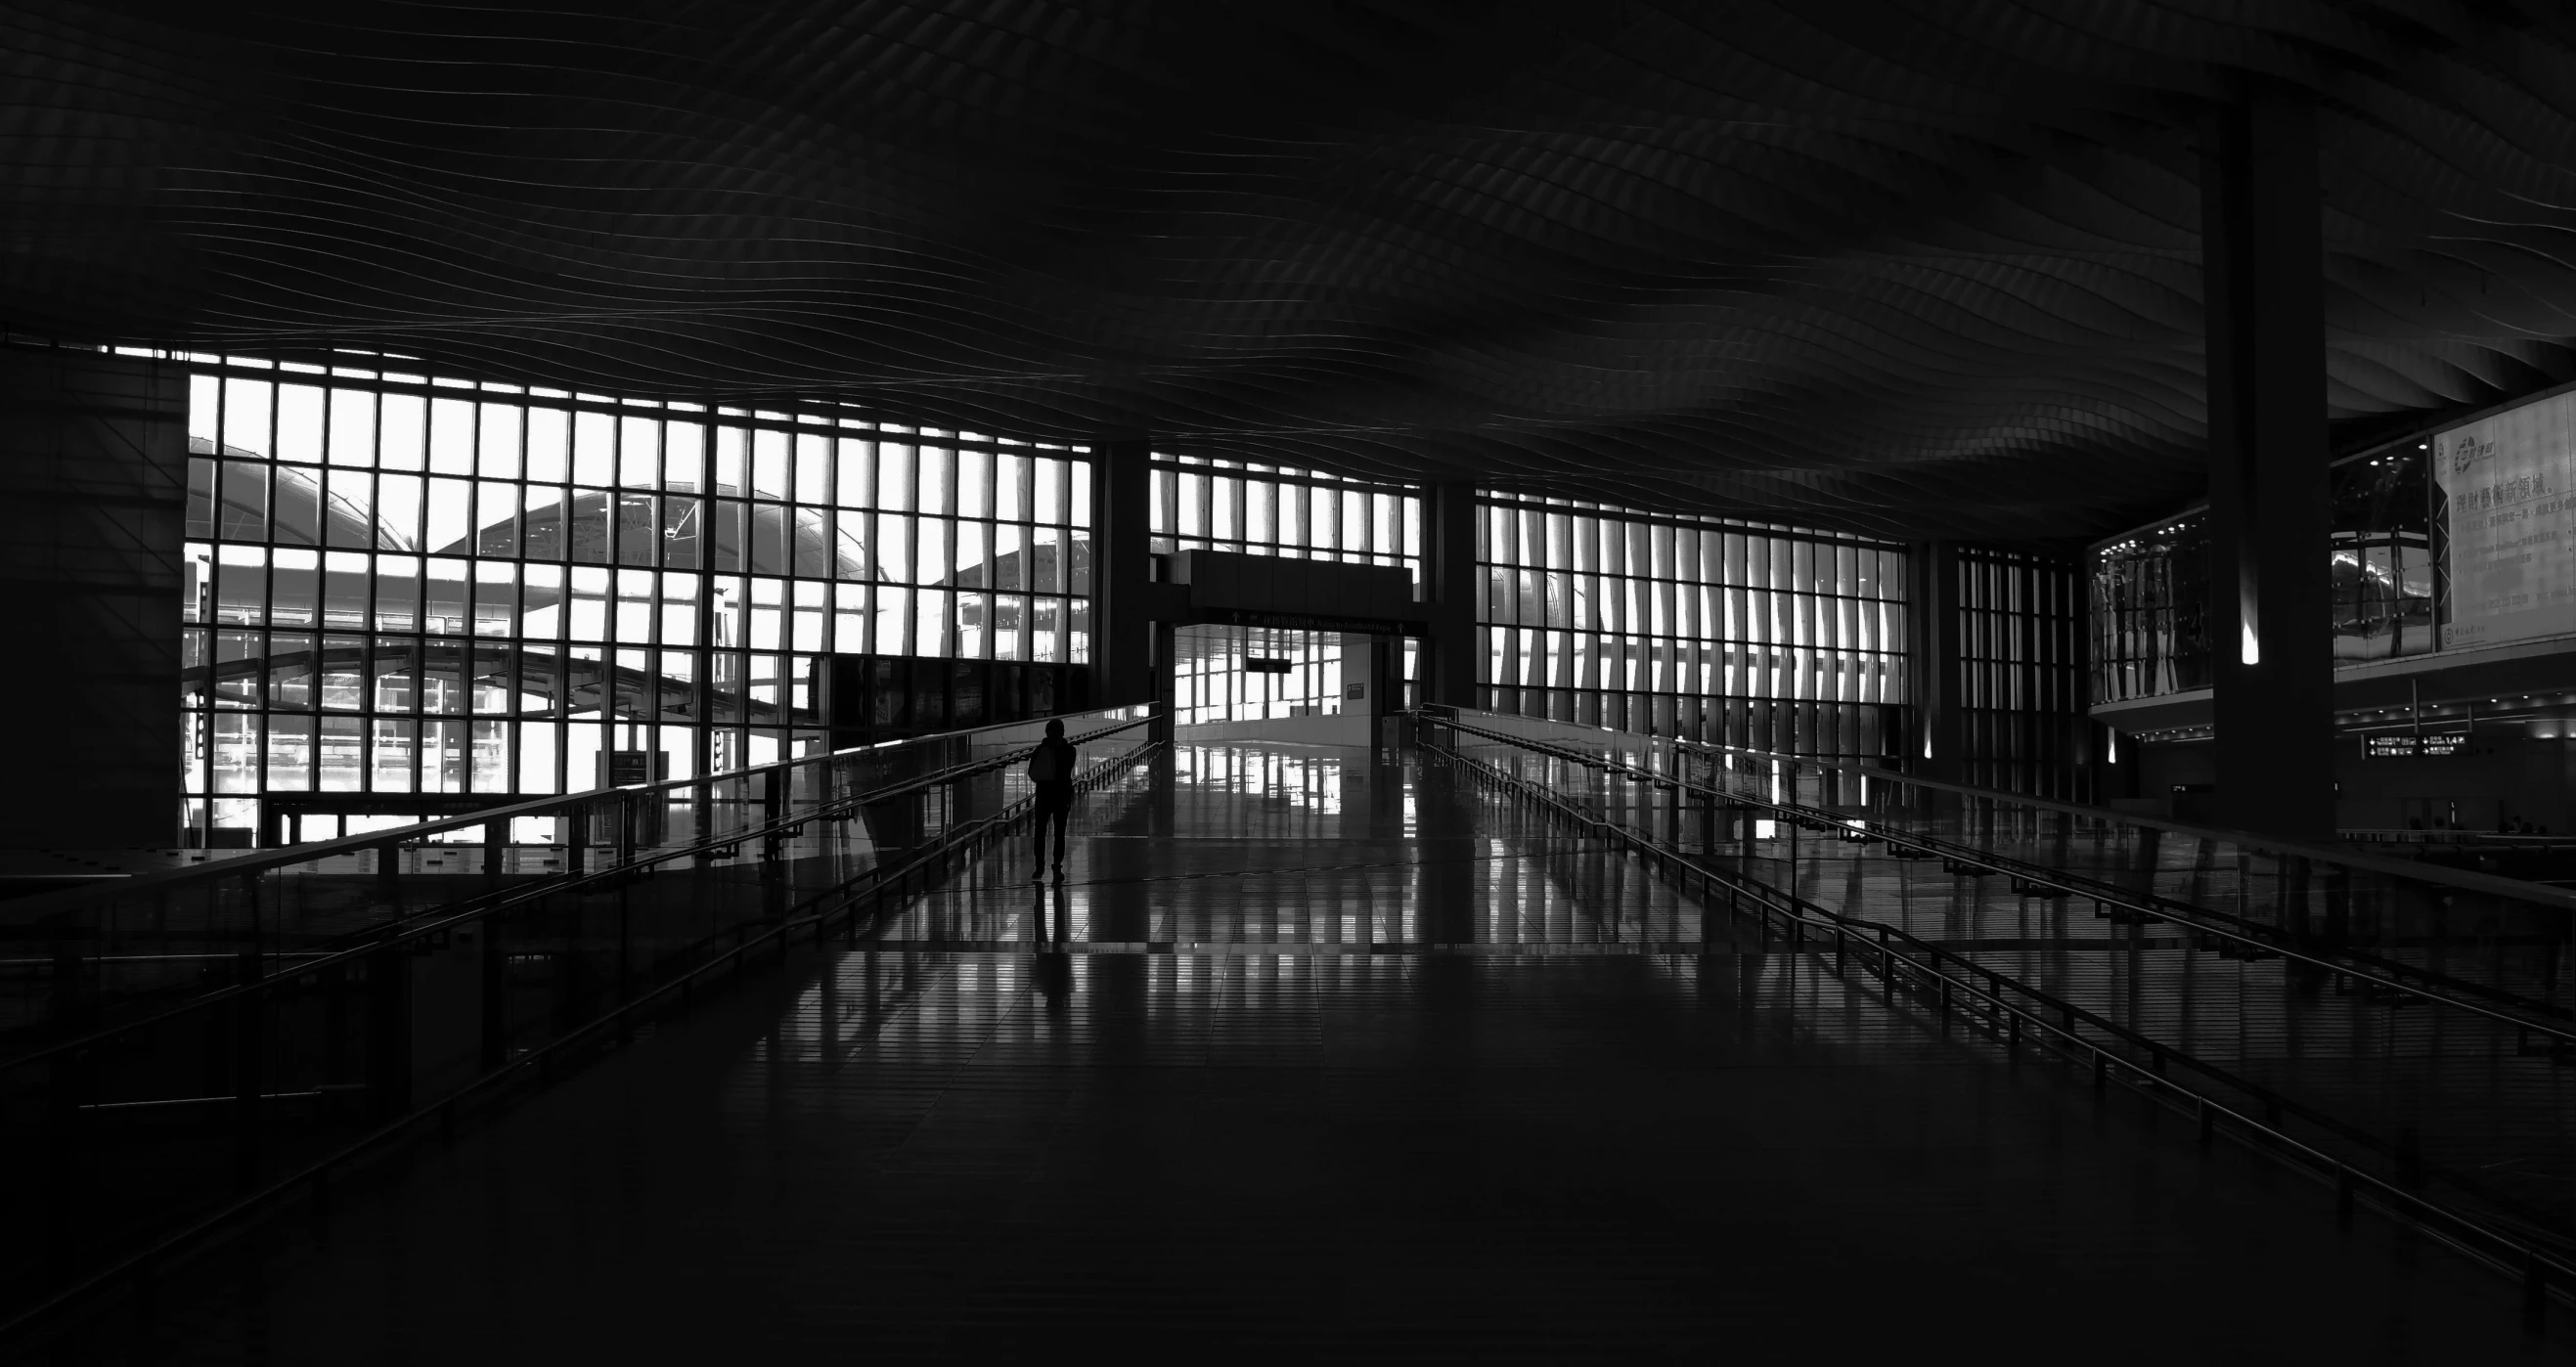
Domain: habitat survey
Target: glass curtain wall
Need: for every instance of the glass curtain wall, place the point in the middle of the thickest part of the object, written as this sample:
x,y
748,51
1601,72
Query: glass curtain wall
x,y
2151,599
2150,621
1276,510
1767,637
2021,673
401,587
2383,556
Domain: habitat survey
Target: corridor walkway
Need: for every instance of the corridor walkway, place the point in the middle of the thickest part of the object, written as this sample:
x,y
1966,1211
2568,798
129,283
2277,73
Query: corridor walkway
x,y
1316,1057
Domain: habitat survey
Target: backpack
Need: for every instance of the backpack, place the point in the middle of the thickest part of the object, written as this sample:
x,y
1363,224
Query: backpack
x,y
1047,765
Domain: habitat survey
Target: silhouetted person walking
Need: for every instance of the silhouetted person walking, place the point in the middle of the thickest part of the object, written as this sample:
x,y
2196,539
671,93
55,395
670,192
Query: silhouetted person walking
x,y
1051,769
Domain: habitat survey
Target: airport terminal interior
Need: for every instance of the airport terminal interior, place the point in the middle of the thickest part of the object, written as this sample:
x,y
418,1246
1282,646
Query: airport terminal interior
x,y
1745,680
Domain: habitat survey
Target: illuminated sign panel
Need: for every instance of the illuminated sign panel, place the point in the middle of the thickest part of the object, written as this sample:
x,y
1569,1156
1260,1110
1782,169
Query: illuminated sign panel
x,y
2404,746
2509,484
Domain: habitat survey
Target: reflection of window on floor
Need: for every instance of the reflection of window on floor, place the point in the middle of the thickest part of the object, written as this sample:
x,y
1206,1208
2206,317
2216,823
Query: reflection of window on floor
x,y
1254,674
1312,781
431,590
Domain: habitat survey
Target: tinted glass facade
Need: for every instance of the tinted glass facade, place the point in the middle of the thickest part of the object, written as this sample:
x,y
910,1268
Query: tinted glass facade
x,y
2150,590
2150,621
403,588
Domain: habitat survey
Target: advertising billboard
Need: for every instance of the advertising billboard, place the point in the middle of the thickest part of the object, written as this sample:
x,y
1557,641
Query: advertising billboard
x,y
2509,486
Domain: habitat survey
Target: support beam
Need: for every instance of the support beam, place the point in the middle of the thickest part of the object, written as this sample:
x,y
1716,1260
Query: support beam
x,y
2263,272
1449,675
1122,665
93,487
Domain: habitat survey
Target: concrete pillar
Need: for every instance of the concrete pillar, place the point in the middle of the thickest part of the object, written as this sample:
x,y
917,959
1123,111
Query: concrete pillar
x,y
1456,643
93,490
2263,274
1122,661
1932,651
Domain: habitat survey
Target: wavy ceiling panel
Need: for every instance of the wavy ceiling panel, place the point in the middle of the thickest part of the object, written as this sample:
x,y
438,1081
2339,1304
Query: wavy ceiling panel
x,y
1921,269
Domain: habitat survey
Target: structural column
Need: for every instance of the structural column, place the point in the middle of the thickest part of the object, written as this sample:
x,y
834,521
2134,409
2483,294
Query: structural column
x,y
1932,649
2263,273
93,488
1122,665
1450,597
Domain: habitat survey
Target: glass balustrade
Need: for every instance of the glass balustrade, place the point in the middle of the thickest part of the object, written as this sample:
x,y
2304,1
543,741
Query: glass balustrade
x,y
174,1041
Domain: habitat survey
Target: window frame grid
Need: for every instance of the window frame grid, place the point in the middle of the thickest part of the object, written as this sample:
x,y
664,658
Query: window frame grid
x,y
426,658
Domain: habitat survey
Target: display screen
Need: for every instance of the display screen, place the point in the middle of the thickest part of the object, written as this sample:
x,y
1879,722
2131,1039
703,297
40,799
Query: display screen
x,y
2509,486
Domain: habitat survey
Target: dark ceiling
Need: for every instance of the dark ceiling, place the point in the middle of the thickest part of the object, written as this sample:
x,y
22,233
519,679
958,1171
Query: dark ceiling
x,y
1919,269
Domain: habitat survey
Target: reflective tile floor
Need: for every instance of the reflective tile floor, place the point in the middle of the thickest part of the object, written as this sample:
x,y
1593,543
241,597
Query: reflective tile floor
x,y
1320,1058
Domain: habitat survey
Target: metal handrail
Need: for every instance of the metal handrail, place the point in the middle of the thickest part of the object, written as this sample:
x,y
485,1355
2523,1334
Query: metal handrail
x,y
467,910
2544,1271
47,905
1790,904
315,1176
2037,874
2466,880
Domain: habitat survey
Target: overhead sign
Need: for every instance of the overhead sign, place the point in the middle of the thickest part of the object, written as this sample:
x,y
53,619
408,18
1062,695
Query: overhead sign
x,y
1307,621
2509,511
2403,745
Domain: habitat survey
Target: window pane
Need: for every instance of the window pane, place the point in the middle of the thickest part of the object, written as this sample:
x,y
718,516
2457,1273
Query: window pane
x,y
444,611
402,432
680,524
894,476
813,468
769,532
295,581
496,453
639,453
496,599
769,464
392,749
344,673
340,757
398,499
451,437
594,450
856,485
549,437
353,428
496,518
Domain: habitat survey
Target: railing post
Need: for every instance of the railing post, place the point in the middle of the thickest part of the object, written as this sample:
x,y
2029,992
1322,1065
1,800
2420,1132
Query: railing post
x,y
249,1045
773,844
493,1025
388,1055
389,872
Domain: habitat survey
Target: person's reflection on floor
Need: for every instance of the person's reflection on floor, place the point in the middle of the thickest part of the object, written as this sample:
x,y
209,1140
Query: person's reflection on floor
x,y
1053,971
